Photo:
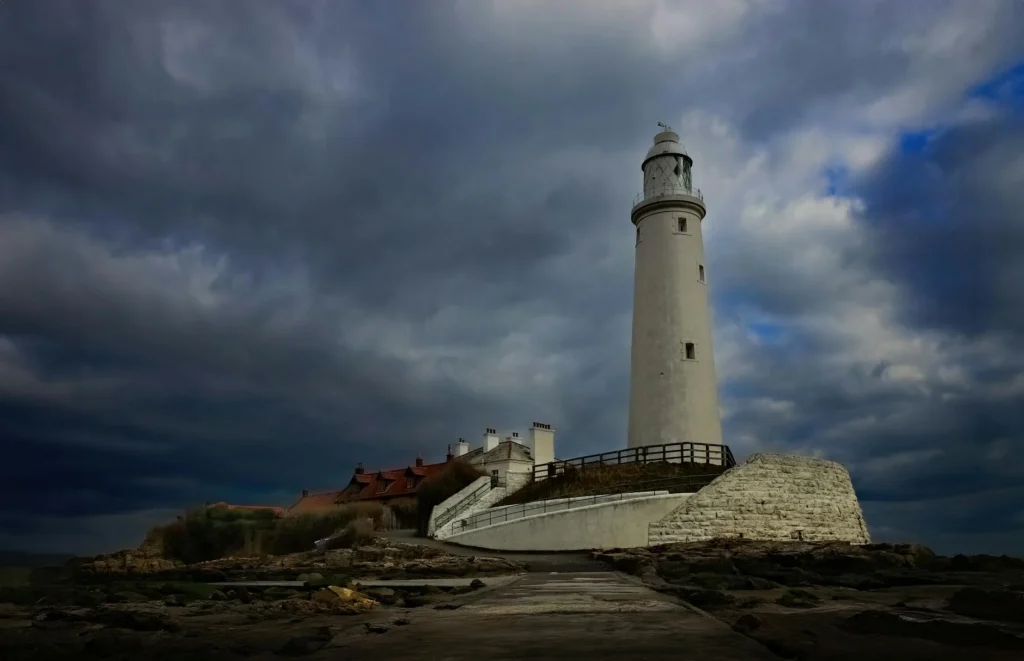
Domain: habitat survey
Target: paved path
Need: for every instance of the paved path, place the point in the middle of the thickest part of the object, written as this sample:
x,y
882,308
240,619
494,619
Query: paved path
x,y
582,615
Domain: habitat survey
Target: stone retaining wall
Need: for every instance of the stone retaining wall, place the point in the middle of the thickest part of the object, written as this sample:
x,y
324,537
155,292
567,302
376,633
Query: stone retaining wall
x,y
770,497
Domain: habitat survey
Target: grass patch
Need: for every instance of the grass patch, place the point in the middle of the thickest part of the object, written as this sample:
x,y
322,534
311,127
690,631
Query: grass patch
x,y
437,488
657,476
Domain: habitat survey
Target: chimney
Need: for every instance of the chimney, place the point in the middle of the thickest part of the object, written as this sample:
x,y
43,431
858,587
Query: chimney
x,y
542,443
305,493
359,468
449,456
490,439
461,448
419,461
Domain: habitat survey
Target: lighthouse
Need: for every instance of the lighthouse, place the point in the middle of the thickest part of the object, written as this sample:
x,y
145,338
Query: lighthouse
x,y
673,390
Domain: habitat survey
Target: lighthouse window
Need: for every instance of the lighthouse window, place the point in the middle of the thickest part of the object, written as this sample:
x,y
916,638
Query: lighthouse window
x,y
701,272
691,351
682,224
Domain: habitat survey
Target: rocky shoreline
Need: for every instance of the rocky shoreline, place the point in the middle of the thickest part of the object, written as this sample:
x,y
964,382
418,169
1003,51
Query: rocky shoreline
x,y
132,606
830,600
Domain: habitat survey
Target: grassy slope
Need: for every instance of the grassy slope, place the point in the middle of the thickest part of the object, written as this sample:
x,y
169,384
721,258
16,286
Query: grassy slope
x,y
676,478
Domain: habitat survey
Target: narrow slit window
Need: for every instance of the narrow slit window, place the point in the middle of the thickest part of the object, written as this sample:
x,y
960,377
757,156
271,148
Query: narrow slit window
x,y
691,351
682,224
701,272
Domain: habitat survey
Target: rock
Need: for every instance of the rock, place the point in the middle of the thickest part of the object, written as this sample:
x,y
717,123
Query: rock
x,y
707,599
340,558
1006,605
128,597
795,598
376,628
217,595
241,593
303,645
386,596
748,623
883,623
277,593
401,622
343,600
476,584
134,620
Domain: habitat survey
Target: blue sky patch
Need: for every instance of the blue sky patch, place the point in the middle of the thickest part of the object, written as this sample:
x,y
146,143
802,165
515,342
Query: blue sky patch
x,y
1005,88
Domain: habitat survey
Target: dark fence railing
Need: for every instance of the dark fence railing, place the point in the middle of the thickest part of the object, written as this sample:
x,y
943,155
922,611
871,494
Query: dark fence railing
x,y
677,453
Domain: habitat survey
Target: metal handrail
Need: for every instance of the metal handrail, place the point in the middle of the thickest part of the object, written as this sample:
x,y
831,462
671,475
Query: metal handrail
x,y
502,516
667,190
705,453
445,517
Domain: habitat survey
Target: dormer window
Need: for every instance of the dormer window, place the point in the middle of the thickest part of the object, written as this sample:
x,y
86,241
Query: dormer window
x,y
410,483
382,486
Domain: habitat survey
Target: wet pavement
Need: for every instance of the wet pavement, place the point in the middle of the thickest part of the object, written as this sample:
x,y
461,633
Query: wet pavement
x,y
559,615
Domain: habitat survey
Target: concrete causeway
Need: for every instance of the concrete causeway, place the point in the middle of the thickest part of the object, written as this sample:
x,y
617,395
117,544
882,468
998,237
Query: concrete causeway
x,y
574,615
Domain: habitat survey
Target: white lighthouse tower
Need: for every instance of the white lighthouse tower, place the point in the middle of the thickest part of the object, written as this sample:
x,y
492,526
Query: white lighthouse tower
x,y
673,394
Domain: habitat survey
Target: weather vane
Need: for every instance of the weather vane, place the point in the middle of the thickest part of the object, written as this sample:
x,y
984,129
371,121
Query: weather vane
x,y
665,126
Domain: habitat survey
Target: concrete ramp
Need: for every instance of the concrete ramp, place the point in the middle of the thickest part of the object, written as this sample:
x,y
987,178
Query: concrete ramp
x,y
619,523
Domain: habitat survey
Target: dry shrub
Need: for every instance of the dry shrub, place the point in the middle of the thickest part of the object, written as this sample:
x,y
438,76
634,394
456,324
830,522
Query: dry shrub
x,y
299,533
437,488
356,533
209,533
620,478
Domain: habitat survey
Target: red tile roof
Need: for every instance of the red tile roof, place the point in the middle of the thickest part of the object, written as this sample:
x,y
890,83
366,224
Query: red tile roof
x,y
388,484
381,485
312,503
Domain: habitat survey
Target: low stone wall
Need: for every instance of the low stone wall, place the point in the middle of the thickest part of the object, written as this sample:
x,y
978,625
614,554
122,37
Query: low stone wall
x,y
617,524
770,497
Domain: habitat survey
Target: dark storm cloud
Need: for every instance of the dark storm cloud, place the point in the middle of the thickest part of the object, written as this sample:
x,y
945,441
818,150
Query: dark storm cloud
x,y
948,220
241,250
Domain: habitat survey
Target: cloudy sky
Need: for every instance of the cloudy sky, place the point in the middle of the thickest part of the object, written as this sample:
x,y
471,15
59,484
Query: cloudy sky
x,y
244,245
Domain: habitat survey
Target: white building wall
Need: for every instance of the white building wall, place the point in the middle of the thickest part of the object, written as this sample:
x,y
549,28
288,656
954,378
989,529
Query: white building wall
x,y
672,398
620,524
542,444
770,497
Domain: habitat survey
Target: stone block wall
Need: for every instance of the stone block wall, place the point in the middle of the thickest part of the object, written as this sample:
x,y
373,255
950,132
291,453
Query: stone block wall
x,y
770,497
